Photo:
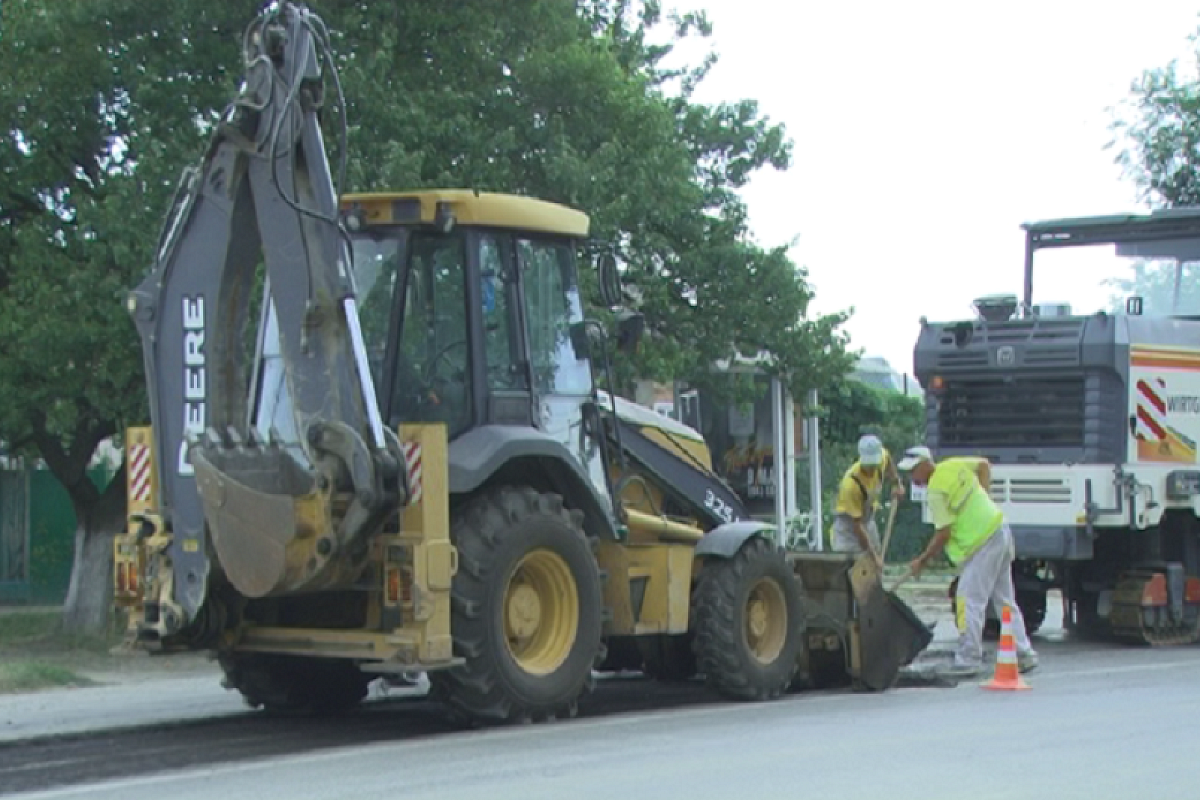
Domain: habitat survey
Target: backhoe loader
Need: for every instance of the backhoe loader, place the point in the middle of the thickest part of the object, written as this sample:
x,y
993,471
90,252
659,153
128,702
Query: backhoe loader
x,y
379,445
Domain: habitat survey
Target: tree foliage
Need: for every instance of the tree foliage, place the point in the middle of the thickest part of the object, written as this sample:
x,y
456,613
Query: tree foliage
x,y
852,409
570,102
1157,139
579,108
848,411
1157,131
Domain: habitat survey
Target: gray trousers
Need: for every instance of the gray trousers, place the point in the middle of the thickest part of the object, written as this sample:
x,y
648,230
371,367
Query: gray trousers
x,y
987,577
843,539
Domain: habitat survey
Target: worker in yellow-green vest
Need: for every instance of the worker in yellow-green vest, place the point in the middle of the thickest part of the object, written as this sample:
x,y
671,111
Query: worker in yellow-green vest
x,y
977,540
854,526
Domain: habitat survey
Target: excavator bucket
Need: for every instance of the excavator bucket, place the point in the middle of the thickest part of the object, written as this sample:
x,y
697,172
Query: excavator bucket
x,y
857,631
265,515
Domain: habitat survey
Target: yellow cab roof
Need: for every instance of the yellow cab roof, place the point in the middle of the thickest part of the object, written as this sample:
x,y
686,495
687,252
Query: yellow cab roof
x,y
470,208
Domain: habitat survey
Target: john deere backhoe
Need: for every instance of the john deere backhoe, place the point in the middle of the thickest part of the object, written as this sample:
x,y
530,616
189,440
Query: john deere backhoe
x,y
407,464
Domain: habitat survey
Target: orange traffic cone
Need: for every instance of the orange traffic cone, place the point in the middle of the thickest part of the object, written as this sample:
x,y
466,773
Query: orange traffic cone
x,y
1008,677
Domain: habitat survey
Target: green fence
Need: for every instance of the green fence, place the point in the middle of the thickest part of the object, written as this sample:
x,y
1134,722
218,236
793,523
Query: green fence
x,y
37,536
14,535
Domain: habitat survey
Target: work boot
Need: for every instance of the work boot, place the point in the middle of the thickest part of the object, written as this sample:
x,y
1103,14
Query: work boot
x,y
1027,662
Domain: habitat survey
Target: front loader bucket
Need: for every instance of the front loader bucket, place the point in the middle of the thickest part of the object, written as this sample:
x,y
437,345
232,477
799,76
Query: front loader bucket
x,y
857,632
890,634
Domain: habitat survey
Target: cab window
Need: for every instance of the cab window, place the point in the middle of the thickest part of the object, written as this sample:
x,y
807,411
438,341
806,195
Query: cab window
x,y
553,303
431,379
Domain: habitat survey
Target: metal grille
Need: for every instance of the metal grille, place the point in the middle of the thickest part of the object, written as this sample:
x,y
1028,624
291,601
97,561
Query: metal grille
x,y
1040,332
1026,412
1046,491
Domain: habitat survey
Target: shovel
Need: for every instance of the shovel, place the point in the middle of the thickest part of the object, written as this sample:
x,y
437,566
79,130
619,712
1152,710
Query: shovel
x,y
867,564
891,636
903,580
887,535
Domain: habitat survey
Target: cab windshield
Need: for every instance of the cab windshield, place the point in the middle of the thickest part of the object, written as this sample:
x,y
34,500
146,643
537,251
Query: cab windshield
x,y
428,371
414,309
1090,279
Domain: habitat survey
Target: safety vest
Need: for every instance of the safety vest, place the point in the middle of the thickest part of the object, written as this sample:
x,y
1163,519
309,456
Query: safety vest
x,y
975,516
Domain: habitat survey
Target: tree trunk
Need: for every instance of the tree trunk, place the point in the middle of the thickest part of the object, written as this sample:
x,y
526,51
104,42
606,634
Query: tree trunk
x,y
89,597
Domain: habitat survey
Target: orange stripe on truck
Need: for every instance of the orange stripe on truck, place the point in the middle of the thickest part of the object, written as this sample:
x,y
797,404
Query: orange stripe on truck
x,y
1163,362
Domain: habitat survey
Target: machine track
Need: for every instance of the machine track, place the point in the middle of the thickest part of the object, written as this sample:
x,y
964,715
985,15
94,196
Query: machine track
x,y
1141,612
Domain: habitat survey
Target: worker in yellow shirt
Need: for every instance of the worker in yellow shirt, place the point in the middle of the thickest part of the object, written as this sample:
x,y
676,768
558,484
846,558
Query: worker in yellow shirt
x,y
977,540
854,527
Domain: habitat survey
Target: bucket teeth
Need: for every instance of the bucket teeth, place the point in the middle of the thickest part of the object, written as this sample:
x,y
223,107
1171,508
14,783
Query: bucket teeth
x,y
212,439
250,442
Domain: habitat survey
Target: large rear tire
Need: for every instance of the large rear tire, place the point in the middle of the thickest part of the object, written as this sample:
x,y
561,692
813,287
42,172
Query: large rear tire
x,y
526,609
748,623
295,684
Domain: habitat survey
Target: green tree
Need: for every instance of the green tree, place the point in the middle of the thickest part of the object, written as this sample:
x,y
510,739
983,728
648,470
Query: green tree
x,y
1157,143
849,410
575,106
103,106
1157,138
570,102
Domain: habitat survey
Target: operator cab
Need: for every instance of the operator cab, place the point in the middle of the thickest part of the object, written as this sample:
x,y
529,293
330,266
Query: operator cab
x,y
466,303
1136,265
470,309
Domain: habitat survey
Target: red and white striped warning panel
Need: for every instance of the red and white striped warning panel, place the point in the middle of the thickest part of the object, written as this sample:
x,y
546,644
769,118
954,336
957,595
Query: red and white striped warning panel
x,y
139,473
1151,411
412,457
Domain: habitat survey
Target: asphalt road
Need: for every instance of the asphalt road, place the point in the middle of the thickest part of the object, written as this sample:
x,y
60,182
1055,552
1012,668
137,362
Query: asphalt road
x,y
1100,722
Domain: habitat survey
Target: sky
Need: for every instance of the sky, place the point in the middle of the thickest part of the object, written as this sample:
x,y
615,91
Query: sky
x,y
926,132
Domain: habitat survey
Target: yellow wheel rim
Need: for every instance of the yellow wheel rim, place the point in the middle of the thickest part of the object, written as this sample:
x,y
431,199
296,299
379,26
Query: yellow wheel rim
x,y
766,621
541,612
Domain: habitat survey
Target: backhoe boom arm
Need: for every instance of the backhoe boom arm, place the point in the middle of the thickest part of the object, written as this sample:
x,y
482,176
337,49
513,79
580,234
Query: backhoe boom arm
x,y
263,193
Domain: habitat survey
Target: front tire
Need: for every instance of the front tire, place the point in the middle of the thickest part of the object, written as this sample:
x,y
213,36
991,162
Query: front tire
x,y
526,609
748,623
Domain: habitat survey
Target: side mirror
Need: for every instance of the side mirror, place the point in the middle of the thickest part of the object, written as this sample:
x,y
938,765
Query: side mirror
x,y
630,327
610,280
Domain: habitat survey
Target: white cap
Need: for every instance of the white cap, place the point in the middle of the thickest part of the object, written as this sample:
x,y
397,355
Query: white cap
x,y
870,451
914,456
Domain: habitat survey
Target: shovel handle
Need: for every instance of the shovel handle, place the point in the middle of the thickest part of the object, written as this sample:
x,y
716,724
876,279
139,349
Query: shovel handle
x,y
903,580
887,534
